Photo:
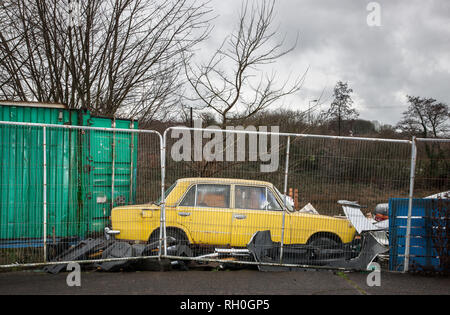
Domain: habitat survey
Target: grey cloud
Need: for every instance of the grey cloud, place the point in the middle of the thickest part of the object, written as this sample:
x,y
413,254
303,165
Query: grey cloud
x,y
407,54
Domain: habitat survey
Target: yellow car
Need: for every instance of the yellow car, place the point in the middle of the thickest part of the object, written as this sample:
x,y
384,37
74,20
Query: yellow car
x,y
227,212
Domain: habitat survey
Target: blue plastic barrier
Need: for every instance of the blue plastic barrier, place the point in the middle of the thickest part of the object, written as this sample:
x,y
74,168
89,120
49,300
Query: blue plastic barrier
x,y
429,242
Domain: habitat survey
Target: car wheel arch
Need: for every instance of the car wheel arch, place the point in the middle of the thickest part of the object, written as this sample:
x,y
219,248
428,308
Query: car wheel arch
x,y
330,235
154,236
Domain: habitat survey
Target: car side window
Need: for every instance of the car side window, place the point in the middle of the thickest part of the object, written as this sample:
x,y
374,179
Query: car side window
x,y
207,195
255,198
249,197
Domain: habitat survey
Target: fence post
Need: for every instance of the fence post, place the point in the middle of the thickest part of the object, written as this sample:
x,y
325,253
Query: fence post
x,y
44,196
286,171
130,197
113,163
410,203
162,225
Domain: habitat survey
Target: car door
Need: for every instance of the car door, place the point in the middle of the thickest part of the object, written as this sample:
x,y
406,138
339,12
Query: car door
x,y
255,209
205,213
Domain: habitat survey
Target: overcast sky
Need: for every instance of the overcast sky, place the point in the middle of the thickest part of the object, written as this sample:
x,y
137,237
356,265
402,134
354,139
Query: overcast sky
x,y
408,54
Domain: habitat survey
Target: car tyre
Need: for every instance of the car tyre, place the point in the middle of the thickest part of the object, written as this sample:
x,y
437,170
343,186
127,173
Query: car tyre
x,y
174,237
320,245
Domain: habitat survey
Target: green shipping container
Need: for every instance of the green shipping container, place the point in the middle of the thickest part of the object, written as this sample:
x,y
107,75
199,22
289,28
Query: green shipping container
x,y
88,171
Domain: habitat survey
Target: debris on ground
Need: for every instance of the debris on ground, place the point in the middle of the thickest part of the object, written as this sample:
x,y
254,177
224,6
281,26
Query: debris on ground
x,y
111,249
266,251
357,255
80,251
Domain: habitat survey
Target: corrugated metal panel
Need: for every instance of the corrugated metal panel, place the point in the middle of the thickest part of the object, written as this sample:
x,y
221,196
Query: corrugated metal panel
x,y
75,178
22,169
62,182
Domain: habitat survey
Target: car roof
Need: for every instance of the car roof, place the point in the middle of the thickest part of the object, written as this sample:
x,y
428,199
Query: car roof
x,y
224,181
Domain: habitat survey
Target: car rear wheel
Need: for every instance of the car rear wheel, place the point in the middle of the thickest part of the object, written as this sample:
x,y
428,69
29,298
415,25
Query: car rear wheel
x,y
176,237
324,247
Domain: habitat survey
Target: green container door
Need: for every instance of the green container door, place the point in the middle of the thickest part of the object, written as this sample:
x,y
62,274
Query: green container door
x,y
109,169
80,191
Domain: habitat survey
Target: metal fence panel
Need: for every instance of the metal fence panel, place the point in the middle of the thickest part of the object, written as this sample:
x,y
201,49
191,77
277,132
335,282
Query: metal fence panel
x,y
432,172
430,179
325,171
213,178
211,205
59,184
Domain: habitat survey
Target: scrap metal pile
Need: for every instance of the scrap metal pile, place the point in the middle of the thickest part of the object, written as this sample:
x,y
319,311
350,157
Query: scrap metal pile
x,y
261,249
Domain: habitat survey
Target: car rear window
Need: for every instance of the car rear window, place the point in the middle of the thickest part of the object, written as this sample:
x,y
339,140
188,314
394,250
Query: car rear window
x,y
255,198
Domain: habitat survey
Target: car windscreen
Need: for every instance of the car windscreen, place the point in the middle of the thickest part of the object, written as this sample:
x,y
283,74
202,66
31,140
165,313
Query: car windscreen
x,y
282,197
166,193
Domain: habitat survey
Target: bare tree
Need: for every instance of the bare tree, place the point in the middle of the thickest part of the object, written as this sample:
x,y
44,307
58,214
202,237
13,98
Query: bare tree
x,y
428,118
112,57
231,84
425,117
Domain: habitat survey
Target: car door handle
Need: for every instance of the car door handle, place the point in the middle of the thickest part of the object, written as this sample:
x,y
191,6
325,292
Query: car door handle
x,y
184,214
240,216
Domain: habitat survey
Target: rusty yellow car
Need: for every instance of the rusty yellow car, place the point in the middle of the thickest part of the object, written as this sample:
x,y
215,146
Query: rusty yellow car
x,y
226,212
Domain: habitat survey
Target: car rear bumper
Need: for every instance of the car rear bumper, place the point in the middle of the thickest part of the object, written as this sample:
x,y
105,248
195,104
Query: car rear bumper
x,y
110,233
